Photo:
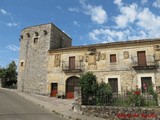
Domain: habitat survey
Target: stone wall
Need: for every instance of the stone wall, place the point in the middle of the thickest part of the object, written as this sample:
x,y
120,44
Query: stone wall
x,y
33,61
40,64
59,39
33,74
77,100
116,113
97,60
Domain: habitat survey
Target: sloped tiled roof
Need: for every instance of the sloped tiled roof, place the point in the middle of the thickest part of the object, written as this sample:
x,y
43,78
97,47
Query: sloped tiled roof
x,y
110,44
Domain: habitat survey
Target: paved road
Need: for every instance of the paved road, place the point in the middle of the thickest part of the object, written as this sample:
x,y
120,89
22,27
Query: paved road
x,y
14,107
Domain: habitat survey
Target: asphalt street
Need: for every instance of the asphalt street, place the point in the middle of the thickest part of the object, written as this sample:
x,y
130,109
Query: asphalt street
x,y
14,107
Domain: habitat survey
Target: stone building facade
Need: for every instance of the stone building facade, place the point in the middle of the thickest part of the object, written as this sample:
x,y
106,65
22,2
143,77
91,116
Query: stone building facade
x,y
52,66
34,45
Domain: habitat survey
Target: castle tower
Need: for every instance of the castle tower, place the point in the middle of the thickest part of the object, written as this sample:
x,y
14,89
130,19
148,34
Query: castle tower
x,y
35,42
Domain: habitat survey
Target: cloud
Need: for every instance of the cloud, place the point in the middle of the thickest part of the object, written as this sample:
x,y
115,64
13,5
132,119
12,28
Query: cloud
x,y
144,1
128,15
118,2
13,48
150,22
4,12
132,23
156,4
73,10
108,35
10,18
97,13
59,7
76,23
13,24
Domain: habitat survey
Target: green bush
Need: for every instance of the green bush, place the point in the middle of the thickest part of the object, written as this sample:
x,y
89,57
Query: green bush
x,y
152,92
94,93
135,98
89,85
8,75
104,88
103,94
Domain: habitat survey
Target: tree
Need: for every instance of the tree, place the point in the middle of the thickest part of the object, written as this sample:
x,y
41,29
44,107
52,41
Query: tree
x,y
9,75
94,92
89,86
2,76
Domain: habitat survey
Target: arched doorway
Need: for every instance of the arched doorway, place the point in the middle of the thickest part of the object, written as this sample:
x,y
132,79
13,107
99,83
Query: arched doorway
x,y
71,82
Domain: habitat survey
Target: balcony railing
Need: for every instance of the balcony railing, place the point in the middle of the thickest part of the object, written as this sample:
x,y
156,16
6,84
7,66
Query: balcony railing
x,y
75,67
150,63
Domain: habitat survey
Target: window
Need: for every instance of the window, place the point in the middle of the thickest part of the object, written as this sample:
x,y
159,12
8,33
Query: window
x,y
114,84
21,36
113,58
141,56
146,82
45,32
28,35
22,63
36,33
35,40
72,63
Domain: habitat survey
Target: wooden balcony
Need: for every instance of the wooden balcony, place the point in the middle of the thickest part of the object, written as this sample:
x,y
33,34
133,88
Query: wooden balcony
x,y
74,68
150,63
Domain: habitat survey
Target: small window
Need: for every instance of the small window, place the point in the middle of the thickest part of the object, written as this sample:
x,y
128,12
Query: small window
x,y
35,40
22,63
113,58
36,33
28,35
21,36
45,32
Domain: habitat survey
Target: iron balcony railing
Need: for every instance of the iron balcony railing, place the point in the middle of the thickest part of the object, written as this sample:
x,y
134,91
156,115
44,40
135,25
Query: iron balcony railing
x,y
150,62
133,63
77,66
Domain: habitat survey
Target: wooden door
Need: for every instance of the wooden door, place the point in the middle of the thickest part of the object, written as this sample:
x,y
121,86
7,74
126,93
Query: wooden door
x,y
145,83
54,89
141,58
114,84
71,63
70,84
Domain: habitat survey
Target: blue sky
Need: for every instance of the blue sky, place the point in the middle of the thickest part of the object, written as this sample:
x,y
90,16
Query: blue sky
x,y
85,21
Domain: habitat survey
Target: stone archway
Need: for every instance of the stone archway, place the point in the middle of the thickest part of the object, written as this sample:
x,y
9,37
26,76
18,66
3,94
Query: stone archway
x,y
71,82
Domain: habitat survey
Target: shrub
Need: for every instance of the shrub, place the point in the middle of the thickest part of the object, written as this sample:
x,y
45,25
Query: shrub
x,y
104,88
103,94
92,92
152,92
8,75
135,98
89,85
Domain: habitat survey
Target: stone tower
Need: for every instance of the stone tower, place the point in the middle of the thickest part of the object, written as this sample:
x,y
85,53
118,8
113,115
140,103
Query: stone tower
x,y
35,42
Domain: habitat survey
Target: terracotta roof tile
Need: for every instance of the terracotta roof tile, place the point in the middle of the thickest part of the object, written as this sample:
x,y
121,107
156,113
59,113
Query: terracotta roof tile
x,y
103,45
